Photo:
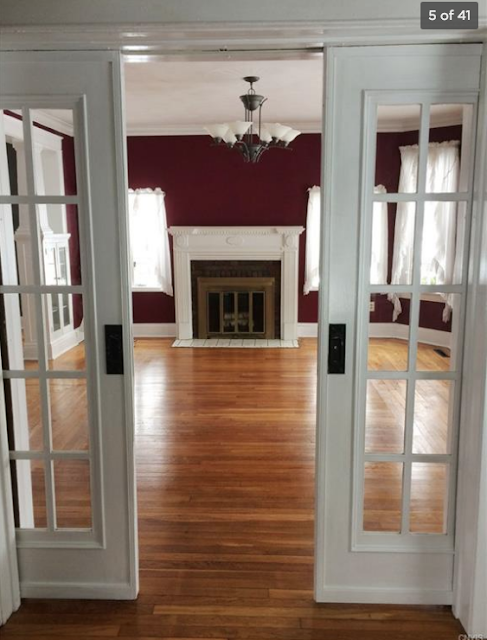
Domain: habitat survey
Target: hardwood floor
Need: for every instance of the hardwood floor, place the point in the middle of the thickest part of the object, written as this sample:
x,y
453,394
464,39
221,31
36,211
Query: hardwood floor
x,y
225,465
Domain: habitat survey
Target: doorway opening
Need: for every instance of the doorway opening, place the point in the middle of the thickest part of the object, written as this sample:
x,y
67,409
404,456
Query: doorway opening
x,y
226,430
225,424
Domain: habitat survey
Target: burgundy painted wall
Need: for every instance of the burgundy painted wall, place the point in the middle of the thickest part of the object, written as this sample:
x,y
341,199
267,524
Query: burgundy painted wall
x,y
205,185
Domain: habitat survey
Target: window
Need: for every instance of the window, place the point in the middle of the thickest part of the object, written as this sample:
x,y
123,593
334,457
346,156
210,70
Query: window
x,y
378,264
151,260
312,269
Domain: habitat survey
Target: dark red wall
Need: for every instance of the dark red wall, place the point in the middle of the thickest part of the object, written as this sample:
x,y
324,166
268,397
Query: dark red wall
x,y
205,185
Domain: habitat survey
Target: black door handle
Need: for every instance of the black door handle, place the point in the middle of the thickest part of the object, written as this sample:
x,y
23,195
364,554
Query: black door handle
x,y
114,348
336,348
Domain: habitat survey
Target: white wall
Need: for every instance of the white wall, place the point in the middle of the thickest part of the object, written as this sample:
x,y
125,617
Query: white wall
x,y
43,12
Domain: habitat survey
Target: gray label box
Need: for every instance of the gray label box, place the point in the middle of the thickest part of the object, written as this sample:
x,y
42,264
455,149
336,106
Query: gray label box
x,y
449,15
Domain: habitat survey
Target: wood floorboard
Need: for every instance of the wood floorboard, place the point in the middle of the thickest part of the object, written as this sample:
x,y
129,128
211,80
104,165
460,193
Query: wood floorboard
x,y
225,465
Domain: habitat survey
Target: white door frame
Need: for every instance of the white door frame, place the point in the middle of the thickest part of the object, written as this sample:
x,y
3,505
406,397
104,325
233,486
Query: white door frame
x,y
470,573
470,563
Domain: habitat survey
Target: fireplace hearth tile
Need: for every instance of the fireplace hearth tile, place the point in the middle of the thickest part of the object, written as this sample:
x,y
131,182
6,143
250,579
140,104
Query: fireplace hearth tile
x,y
236,343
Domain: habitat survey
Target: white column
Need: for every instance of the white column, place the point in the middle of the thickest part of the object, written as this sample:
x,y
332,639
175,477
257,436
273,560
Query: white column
x,y
24,258
182,285
289,287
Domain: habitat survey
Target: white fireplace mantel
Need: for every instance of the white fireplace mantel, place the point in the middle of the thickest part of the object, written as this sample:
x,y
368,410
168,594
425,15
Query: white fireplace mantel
x,y
236,243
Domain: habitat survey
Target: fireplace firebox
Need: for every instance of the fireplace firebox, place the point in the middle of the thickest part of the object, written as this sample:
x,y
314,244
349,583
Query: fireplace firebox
x,y
236,307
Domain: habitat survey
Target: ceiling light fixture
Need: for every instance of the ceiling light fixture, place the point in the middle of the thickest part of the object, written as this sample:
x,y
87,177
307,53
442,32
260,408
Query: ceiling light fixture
x,y
241,135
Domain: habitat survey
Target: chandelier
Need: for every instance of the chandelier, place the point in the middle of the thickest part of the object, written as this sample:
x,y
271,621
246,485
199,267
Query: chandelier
x,y
250,138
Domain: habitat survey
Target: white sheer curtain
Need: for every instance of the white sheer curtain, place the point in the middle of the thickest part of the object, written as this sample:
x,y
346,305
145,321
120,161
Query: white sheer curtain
x,y
440,259
378,261
149,241
312,268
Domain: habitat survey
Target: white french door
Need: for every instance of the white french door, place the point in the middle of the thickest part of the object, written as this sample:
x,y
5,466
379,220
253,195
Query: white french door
x,y
66,414
399,148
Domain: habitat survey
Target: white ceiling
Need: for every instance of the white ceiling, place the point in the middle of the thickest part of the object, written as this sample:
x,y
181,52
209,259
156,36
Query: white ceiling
x,y
189,94
181,97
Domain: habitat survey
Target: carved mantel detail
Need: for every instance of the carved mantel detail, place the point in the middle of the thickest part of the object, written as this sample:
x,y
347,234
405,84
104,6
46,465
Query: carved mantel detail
x,y
236,243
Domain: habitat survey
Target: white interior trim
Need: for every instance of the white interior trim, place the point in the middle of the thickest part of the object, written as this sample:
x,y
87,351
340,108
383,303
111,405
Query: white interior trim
x,y
470,577
79,591
307,329
168,329
156,129
154,330
186,36
398,331
391,126
14,130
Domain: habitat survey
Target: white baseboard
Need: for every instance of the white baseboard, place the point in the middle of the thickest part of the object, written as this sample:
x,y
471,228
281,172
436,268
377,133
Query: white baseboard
x,y
367,595
307,329
154,329
168,329
56,347
401,332
64,343
75,591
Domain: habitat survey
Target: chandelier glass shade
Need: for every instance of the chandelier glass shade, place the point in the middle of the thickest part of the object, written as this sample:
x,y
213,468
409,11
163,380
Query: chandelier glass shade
x,y
251,138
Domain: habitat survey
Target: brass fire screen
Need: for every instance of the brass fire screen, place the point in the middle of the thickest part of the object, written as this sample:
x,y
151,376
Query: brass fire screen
x,y
236,307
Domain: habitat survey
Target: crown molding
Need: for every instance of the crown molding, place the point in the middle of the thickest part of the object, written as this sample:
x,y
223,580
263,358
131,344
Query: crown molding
x,y
53,122
394,126
223,37
199,129
401,126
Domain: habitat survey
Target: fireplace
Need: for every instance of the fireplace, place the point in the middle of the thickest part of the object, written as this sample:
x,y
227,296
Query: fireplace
x,y
236,307
250,281
234,251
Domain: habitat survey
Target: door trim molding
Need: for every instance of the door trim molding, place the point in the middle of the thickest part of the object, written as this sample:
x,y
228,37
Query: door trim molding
x,y
184,37
470,572
120,136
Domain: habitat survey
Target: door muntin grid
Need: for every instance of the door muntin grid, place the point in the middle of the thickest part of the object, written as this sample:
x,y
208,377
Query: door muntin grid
x,y
58,528
408,460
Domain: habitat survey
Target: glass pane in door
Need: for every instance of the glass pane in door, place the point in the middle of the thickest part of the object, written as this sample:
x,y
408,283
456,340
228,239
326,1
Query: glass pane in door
x,y
18,315
429,495
388,345
73,496
24,415
396,163
450,148
54,152
433,416
29,493
15,153
383,496
68,401
385,416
